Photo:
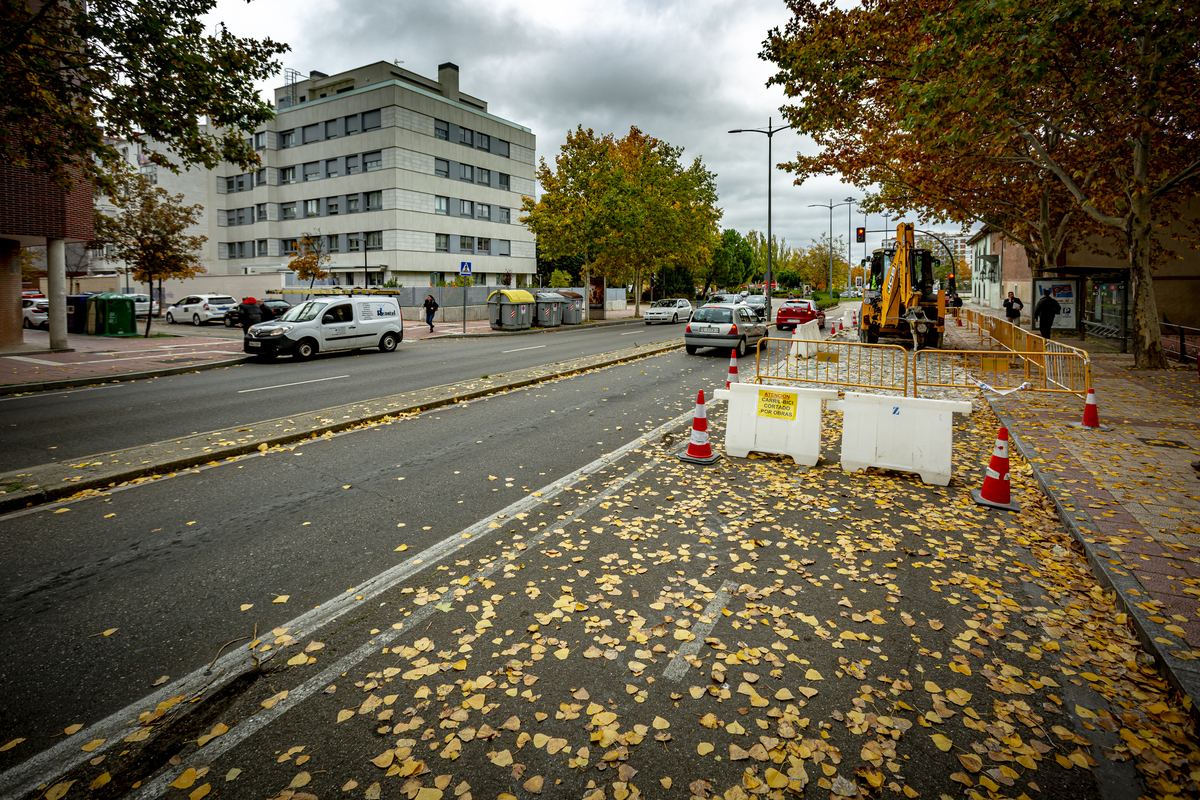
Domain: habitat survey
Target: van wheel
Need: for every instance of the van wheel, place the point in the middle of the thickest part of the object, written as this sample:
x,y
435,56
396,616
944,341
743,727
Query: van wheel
x,y
196,320
741,348
388,343
691,349
306,349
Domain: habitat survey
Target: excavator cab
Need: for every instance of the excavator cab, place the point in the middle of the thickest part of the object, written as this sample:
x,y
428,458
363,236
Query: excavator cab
x,y
901,299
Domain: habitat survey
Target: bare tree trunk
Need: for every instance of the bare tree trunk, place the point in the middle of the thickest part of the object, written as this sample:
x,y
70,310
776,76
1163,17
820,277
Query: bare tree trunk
x,y
1147,343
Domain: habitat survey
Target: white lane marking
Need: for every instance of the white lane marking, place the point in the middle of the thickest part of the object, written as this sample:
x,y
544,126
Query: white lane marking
x,y
631,333
35,360
48,765
679,665
297,383
62,393
519,349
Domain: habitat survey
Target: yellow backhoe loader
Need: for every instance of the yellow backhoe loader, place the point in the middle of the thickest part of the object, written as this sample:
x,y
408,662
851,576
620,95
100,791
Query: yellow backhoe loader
x,y
899,298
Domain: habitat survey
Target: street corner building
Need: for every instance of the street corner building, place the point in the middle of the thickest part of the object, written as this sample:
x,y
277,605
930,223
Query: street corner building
x,y
399,177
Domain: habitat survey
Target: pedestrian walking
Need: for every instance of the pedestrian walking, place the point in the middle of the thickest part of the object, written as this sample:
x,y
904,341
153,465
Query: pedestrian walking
x,y
1012,308
430,306
249,313
1044,312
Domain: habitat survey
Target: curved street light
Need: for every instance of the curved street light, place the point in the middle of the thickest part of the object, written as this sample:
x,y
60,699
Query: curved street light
x,y
769,131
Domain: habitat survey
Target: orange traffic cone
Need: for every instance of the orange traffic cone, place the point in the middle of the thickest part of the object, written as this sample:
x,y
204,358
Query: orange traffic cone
x,y
733,373
995,492
699,451
1091,415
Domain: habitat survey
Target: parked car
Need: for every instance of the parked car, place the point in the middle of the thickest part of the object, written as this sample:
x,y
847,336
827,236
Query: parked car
x,y
797,312
726,298
143,306
670,310
31,294
729,326
271,309
337,322
200,308
35,312
758,302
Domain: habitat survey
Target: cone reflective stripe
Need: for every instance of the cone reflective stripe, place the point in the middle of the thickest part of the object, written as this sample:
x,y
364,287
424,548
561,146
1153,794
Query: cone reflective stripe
x,y
699,451
996,492
733,372
1091,413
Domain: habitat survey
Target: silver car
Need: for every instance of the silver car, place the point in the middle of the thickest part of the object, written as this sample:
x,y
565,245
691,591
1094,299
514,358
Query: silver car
x,y
724,325
671,310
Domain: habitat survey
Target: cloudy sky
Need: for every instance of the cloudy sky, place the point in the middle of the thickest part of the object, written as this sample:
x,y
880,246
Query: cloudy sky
x,y
685,71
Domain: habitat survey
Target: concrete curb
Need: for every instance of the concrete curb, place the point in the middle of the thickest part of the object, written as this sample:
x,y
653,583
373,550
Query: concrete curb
x,y
48,482
1184,678
71,383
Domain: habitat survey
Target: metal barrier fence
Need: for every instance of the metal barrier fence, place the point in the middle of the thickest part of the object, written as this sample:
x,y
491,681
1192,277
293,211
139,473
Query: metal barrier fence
x,y
1050,366
1063,372
852,365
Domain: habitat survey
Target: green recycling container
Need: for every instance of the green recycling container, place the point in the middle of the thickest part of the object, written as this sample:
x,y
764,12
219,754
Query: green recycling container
x,y
111,314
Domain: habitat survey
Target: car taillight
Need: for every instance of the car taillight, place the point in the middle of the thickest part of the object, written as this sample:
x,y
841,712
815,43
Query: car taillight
x,y
206,306
733,329
688,329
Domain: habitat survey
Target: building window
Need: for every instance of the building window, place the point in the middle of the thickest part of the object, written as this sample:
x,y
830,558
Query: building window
x,y
372,161
260,140
374,201
333,243
288,211
331,129
241,183
503,247
466,244
351,165
372,120
241,216
287,139
260,212
504,215
260,178
483,141
441,205
262,247
351,205
483,211
352,125
375,240
503,180
312,208
353,243
441,168
466,208
465,137
441,130
466,172
311,133
483,245
484,176
288,246
312,171
331,168
441,242
331,206
230,185
287,175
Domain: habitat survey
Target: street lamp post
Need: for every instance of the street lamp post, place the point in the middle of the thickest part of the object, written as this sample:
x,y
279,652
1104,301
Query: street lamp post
x,y
831,206
849,244
770,132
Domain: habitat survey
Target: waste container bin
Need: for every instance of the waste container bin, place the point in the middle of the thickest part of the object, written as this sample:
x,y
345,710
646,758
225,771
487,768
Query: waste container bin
x,y
572,313
510,309
549,311
111,314
77,313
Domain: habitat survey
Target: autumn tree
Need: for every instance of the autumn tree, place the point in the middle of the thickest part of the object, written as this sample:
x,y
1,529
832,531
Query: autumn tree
x,y
107,68
309,259
149,232
730,263
1089,114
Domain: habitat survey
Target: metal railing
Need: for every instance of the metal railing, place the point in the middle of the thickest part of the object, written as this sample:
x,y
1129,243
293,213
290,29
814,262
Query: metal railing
x,y
1051,366
1063,372
852,365
1180,341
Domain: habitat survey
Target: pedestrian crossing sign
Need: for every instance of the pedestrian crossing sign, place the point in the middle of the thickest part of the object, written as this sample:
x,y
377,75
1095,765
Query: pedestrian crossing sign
x,y
464,269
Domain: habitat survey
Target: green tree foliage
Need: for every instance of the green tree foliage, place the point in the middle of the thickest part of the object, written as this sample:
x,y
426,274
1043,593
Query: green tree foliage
x,y
149,232
560,279
74,72
731,263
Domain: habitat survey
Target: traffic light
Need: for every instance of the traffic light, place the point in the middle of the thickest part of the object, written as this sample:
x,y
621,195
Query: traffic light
x,y
860,235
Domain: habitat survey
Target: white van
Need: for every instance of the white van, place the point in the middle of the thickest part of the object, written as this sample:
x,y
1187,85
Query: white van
x,y
338,322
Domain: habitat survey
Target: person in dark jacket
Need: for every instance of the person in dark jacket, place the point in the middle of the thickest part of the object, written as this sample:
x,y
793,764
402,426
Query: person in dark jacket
x,y
249,313
430,305
1012,308
1045,311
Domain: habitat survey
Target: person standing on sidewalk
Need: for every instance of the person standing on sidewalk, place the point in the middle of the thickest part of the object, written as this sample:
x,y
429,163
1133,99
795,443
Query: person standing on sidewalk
x,y
1045,311
1012,309
430,305
249,313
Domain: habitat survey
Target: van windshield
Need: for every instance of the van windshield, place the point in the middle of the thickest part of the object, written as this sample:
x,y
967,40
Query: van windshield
x,y
305,311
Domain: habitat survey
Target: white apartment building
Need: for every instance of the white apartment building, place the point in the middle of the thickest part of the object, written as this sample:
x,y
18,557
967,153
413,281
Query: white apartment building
x,y
401,178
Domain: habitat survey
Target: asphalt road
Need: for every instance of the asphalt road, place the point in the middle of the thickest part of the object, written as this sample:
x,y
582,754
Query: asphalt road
x,y
62,425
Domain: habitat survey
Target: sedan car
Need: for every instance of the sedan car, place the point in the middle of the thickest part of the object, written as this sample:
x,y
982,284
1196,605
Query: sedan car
x,y
759,303
35,312
728,326
798,312
671,310
270,309
143,306
200,308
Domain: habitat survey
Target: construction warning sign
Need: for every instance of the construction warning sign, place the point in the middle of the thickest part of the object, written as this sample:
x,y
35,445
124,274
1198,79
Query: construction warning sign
x,y
777,405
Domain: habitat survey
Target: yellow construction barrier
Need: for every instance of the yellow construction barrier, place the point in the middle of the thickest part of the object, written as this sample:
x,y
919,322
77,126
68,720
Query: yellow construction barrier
x,y
1040,371
852,365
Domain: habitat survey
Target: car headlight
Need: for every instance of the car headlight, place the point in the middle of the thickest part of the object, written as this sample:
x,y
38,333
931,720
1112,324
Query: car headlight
x,y
275,330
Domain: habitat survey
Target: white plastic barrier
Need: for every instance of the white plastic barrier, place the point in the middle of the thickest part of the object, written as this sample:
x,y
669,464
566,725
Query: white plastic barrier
x,y
785,420
804,340
909,434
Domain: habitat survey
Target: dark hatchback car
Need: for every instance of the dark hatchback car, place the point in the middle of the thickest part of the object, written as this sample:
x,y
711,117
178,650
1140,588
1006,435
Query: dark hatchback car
x,y
270,310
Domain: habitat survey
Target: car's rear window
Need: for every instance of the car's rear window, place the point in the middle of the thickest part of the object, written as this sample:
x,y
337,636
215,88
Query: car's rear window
x,y
220,300
712,315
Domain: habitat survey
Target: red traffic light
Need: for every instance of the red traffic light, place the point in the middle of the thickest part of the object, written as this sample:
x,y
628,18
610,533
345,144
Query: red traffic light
x,y
860,235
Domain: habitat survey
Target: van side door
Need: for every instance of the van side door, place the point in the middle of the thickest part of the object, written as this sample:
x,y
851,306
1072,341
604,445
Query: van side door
x,y
338,328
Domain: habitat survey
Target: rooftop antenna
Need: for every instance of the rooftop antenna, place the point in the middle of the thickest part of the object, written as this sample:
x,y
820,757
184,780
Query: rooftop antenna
x,y
397,61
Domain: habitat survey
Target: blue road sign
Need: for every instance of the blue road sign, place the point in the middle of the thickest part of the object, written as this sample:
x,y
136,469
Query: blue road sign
x,y
464,269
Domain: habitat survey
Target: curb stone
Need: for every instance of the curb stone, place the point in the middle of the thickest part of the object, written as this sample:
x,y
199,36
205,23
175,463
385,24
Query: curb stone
x,y
1184,678
49,482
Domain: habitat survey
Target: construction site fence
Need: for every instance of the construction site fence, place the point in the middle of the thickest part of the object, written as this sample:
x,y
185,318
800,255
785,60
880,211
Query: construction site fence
x,y
848,365
1062,372
1063,367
